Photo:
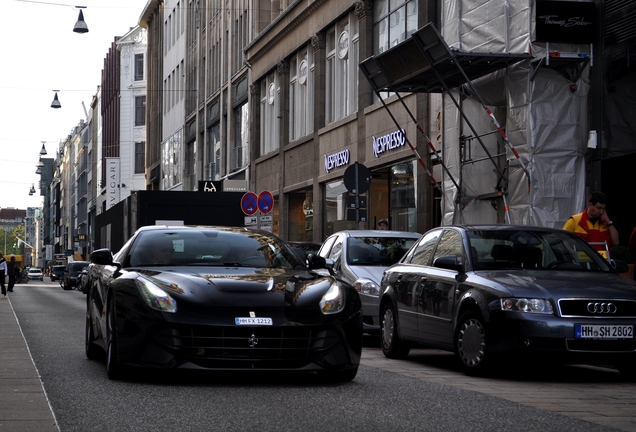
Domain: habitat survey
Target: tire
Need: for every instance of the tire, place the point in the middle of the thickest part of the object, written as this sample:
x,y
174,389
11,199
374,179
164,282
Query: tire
x,y
93,352
113,369
392,346
471,344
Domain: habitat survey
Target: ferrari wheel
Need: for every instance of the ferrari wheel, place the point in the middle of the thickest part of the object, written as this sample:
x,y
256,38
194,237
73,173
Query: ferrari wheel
x,y
392,345
471,346
93,352
113,368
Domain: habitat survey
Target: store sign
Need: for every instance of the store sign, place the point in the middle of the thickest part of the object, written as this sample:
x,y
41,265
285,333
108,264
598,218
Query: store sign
x,y
303,71
565,21
112,182
391,141
336,160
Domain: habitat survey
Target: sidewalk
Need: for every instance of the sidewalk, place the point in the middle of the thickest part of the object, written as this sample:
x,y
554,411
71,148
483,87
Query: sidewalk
x,y
24,406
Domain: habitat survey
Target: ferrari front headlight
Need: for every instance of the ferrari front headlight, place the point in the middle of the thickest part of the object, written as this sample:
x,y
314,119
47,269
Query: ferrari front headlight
x,y
333,301
155,297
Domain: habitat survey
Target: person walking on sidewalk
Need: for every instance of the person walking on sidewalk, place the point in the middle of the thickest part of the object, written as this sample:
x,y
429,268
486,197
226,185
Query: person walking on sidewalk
x,y
13,269
3,271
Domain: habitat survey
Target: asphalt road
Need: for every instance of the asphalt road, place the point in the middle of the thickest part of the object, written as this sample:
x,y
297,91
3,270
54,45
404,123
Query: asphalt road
x,y
84,399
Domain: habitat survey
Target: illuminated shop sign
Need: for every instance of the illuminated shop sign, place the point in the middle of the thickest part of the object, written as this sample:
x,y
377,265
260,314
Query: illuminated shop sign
x,y
336,160
391,141
565,21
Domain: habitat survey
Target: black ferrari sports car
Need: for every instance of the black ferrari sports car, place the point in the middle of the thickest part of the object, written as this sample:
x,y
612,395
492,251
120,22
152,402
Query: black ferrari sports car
x,y
219,298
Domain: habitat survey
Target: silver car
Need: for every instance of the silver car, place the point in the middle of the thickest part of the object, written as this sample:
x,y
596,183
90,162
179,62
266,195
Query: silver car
x,y
360,258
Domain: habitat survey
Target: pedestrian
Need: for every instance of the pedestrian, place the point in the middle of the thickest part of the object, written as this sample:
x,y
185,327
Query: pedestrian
x,y
383,224
594,225
3,271
12,268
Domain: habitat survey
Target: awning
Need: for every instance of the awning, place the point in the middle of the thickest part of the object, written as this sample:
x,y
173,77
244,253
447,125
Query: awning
x,y
425,64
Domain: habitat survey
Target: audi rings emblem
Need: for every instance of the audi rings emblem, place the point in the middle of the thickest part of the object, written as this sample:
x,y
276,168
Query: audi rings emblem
x,y
601,308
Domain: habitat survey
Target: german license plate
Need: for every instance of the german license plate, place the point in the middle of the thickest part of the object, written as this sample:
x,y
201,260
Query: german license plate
x,y
600,331
252,321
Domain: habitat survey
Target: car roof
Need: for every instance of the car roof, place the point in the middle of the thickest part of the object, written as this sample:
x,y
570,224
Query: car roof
x,y
379,233
498,227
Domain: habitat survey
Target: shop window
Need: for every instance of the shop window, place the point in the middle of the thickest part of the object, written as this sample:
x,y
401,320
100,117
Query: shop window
x,y
301,94
270,112
301,216
336,207
342,69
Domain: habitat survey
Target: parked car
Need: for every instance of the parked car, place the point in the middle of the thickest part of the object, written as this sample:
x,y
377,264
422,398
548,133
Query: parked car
x,y
219,298
487,291
35,274
57,271
360,257
70,278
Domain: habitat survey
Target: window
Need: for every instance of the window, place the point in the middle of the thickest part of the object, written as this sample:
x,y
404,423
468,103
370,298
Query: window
x,y
213,168
171,160
139,67
450,244
301,94
140,155
421,255
238,156
140,110
393,22
342,69
270,112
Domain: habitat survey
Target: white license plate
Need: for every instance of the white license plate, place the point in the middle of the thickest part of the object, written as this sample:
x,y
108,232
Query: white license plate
x,y
253,321
600,331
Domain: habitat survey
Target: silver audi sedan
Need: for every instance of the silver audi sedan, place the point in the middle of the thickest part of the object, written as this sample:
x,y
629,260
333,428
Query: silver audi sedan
x,y
489,291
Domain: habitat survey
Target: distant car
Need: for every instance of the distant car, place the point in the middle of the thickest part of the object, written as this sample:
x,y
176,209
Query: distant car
x,y
70,277
487,291
35,274
57,271
219,298
360,257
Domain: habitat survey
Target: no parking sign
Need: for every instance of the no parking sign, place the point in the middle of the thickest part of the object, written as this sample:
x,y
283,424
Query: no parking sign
x,y
265,202
249,203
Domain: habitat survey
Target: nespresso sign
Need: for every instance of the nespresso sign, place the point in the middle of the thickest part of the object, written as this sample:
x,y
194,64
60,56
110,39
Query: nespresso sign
x,y
387,142
565,21
336,160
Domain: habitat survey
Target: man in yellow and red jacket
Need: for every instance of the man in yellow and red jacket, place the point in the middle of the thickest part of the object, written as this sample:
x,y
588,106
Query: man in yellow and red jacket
x,y
593,225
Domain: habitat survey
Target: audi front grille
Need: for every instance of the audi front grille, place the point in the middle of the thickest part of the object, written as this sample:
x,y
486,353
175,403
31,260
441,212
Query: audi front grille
x,y
597,308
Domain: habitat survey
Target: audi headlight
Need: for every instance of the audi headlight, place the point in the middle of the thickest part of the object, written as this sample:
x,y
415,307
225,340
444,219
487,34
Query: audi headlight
x,y
333,301
155,297
367,286
526,305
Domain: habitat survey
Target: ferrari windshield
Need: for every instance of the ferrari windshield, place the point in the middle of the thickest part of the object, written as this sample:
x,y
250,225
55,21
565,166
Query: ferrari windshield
x,y
210,247
532,249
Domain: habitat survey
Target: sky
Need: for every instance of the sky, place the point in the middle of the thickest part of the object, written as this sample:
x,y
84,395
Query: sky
x,y
40,53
